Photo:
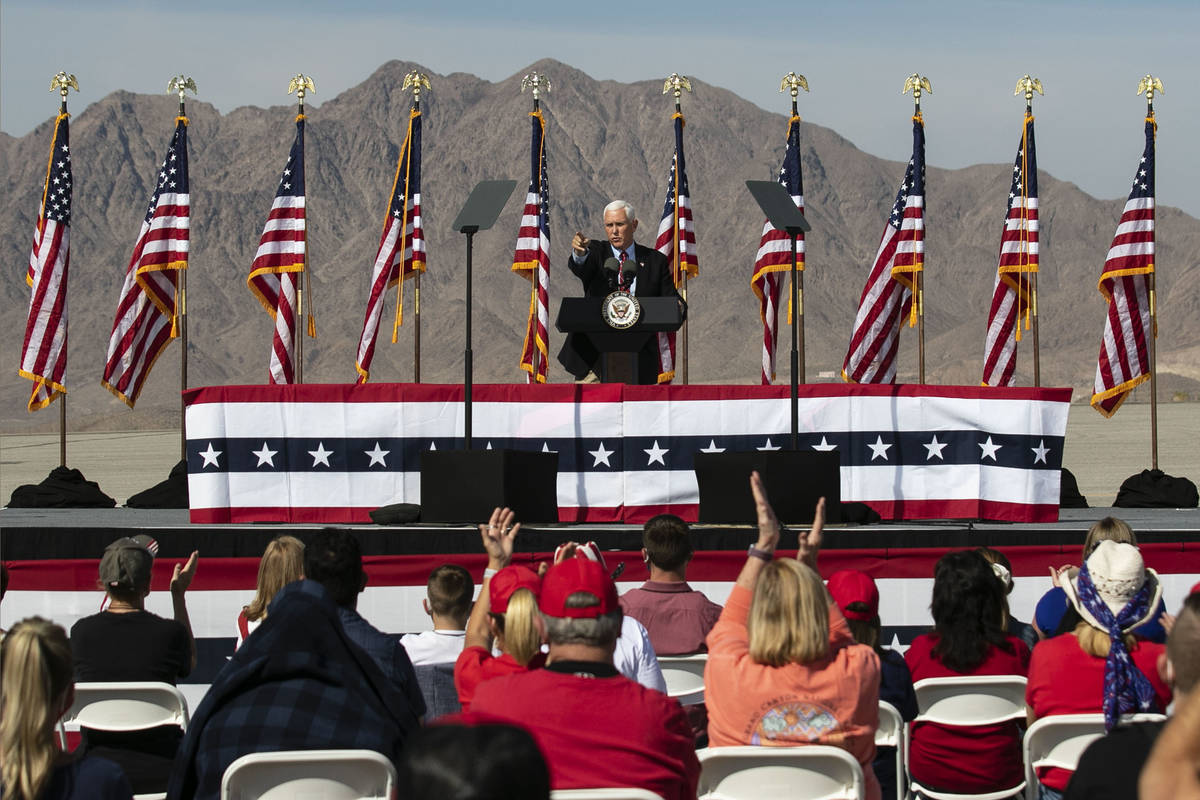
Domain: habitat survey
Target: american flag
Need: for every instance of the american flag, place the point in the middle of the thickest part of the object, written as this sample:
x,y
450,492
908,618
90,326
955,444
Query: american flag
x,y
532,256
401,248
1125,283
774,252
887,297
44,351
145,321
1012,297
677,241
280,261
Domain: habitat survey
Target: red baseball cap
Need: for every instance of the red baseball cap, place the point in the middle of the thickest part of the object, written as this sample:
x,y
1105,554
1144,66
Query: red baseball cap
x,y
507,581
851,586
577,575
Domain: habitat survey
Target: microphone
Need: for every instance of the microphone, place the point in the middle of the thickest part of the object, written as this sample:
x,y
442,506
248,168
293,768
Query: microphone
x,y
613,267
631,270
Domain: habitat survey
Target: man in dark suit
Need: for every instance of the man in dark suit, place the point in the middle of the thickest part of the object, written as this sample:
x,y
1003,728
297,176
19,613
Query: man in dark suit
x,y
652,278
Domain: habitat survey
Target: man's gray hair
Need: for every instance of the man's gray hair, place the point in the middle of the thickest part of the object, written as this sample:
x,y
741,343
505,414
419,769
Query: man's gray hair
x,y
599,632
621,205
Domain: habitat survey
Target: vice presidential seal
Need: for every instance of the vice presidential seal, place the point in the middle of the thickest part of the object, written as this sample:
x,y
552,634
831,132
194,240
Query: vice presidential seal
x,y
621,310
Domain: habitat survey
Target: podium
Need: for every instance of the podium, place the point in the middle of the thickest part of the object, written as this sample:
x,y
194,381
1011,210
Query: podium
x,y
616,348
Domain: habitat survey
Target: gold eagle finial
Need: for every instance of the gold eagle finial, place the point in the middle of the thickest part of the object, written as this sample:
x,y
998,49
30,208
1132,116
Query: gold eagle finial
x,y
1029,85
301,84
676,84
180,84
63,81
793,82
416,81
537,82
1150,85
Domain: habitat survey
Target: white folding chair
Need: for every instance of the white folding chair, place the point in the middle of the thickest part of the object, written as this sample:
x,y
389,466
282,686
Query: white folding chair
x,y
1059,741
890,733
967,701
325,774
802,772
609,793
685,677
125,706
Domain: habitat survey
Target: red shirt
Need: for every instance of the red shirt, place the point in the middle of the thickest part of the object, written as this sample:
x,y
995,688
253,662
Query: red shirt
x,y
599,731
477,664
676,616
956,759
1063,679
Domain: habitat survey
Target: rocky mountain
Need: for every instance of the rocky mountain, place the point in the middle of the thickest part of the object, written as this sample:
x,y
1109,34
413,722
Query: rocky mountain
x,y
605,140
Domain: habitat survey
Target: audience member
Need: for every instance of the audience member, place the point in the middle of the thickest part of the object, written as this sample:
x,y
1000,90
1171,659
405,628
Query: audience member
x,y
3,587
506,612
596,727
1173,770
334,559
634,657
677,618
125,642
1100,666
967,639
1115,530
1109,768
857,597
473,757
1048,615
301,682
37,690
783,668
1003,569
281,563
448,595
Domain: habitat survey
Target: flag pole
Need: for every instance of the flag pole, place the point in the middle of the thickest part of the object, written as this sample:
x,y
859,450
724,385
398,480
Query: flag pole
x,y
181,84
1030,85
63,82
794,83
538,84
1150,85
300,84
415,81
675,84
916,82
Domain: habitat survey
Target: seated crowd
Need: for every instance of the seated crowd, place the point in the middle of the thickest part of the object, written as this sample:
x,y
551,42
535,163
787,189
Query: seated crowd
x,y
550,680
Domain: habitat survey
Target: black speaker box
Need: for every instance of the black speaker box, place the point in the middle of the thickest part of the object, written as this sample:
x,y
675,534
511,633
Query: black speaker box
x,y
465,485
794,481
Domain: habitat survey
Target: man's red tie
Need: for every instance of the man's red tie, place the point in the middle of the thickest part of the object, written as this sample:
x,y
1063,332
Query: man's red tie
x,y
621,271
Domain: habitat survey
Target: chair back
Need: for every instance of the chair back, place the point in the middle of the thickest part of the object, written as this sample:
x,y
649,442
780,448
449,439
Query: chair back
x,y
328,774
437,687
127,706
684,676
609,793
890,733
801,772
1059,741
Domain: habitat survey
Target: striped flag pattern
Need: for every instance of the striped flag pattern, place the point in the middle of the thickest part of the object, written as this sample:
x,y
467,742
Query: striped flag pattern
x,y
1012,296
887,297
401,247
774,252
1124,360
279,263
532,256
146,311
44,351
676,240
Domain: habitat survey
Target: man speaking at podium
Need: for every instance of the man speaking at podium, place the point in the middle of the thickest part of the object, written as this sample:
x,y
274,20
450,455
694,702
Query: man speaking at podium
x,y
617,264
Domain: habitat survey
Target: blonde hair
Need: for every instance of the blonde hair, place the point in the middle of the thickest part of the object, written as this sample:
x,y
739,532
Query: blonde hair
x,y
1107,529
518,633
1097,643
37,678
789,615
281,563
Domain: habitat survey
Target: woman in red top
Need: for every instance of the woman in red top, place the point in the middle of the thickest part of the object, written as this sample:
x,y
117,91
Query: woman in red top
x,y
1100,666
281,563
967,639
506,611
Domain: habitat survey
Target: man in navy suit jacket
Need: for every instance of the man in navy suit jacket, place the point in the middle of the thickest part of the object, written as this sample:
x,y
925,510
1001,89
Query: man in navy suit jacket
x,y
652,279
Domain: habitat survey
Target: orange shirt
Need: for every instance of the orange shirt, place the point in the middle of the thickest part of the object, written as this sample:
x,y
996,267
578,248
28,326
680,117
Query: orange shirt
x,y
832,701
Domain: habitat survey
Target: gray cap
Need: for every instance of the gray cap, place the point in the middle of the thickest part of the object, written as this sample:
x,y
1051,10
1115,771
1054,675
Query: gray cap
x,y
127,562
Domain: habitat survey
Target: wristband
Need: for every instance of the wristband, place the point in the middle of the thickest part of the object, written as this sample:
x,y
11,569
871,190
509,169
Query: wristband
x,y
489,572
754,552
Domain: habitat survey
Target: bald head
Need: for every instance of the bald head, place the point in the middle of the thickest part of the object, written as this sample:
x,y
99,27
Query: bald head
x,y
1183,645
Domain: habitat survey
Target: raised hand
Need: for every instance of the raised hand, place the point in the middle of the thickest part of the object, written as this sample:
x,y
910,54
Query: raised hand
x,y
768,524
181,576
579,243
498,536
810,541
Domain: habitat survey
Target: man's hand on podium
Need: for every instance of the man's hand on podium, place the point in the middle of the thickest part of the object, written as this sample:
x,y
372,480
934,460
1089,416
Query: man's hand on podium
x,y
579,244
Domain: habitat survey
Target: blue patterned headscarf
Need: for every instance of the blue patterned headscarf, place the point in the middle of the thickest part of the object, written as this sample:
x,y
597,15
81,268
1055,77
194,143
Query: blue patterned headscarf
x,y
1126,689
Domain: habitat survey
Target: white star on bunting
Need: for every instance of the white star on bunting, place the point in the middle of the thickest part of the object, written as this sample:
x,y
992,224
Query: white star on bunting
x,y
1040,451
768,446
376,456
210,457
712,447
934,448
656,453
989,449
601,455
824,446
320,455
265,456
879,449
